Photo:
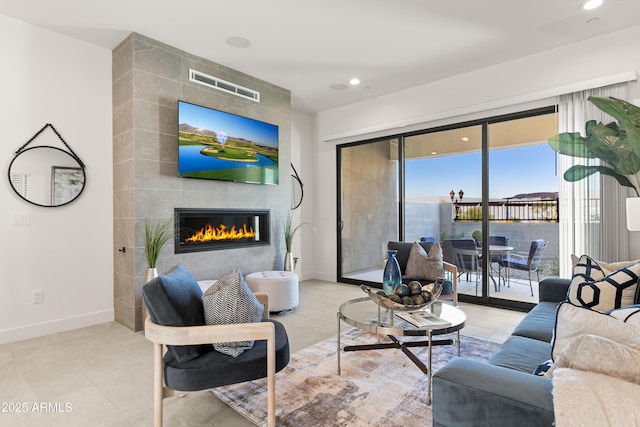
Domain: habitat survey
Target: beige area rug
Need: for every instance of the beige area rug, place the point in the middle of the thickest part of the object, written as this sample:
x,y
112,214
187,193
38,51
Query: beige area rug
x,y
376,388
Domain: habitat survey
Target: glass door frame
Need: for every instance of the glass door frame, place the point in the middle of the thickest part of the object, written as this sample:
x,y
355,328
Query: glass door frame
x,y
484,298
340,222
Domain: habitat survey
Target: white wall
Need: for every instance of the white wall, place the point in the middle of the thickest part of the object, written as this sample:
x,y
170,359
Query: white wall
x,y
481,93
67,251
302,131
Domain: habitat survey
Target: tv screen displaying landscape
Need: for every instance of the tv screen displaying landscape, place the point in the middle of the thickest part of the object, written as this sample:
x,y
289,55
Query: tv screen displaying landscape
x,y
223,146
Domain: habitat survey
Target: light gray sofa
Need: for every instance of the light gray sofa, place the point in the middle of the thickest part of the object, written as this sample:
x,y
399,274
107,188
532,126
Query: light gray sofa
x,y
504,391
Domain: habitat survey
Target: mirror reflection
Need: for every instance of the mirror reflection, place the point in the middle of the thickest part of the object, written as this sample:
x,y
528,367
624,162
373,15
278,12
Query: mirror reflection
x,y
46,176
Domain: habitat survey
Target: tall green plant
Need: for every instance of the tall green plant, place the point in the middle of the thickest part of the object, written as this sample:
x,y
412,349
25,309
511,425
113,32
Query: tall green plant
x,y
290,231
155,237
616,144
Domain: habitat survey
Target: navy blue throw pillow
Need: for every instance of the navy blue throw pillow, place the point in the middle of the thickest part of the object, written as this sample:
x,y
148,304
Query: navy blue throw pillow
x,y
175,299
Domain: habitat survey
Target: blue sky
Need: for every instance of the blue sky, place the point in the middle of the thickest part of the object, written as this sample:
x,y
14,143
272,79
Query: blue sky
x,y
529,169
232,125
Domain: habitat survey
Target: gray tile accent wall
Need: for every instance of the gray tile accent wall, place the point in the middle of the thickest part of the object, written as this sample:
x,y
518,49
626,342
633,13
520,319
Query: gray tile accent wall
x,y
149,77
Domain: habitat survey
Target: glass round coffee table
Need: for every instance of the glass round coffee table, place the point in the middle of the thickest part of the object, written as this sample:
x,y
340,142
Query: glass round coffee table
x,y
438,319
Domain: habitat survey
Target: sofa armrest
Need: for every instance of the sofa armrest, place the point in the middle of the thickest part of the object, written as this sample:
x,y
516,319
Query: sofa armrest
x,y
471,393
553,289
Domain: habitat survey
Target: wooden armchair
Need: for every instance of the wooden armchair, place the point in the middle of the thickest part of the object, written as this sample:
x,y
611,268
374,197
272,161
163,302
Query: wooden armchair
x,y
184,357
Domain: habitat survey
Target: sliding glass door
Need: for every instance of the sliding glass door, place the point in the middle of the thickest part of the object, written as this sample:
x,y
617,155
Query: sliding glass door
x,y
368,208
443,196
456,184
523,206
442,169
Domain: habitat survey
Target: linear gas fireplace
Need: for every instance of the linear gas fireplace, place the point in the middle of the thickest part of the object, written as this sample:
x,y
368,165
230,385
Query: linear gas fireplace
x,y
212,229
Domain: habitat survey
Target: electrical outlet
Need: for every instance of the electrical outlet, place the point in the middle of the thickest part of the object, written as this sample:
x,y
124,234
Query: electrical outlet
x,y
38,296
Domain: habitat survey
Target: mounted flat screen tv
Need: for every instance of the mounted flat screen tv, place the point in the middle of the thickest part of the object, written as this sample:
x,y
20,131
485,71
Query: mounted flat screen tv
x,y
223,146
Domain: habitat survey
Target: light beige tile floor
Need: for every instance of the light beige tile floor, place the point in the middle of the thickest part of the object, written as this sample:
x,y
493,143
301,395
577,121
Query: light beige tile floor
x,y
102,375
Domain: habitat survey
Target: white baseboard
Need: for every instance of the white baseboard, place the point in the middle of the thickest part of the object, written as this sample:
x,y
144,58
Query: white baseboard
x,y
305,276
53,327
327,277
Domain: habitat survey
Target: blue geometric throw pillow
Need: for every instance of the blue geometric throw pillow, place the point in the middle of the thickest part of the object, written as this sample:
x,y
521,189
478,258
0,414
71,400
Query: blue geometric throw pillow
x,y
595,287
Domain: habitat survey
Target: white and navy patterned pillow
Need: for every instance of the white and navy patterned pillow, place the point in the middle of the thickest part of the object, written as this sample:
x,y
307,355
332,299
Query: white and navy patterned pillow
x,y
620,325
629,314
230,301
587,269
595,287
611,266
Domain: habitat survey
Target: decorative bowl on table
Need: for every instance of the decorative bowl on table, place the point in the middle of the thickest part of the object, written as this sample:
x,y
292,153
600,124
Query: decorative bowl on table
x,y
428,294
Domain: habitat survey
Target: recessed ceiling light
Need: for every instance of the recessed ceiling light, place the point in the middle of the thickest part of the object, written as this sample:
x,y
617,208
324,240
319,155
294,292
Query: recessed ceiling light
x,y
354,81
591,4
238,41
433,153
465,139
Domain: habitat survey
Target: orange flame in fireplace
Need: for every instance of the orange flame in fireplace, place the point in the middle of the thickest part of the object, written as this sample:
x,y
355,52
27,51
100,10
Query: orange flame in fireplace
x,y
222,232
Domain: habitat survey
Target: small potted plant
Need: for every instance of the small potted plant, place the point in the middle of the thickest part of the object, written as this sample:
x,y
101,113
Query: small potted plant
x,y
289,233
477,236
155,237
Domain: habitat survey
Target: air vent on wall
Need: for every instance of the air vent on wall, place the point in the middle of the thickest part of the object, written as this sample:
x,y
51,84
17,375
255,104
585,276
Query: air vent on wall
x,y
223,85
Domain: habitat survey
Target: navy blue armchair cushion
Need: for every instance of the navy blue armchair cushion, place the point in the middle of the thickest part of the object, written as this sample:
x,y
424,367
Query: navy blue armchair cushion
x,y
214,369
533,260
429,239
175,299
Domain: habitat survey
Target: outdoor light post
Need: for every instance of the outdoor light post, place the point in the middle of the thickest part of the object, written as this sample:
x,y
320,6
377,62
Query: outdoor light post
x,y
452,194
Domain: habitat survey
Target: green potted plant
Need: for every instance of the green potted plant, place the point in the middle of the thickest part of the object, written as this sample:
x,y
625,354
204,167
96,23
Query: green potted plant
x,y
155,237
616,144
289,233
477,236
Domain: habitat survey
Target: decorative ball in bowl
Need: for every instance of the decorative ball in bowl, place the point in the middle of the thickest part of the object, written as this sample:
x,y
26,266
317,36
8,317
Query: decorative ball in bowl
x,y
413,296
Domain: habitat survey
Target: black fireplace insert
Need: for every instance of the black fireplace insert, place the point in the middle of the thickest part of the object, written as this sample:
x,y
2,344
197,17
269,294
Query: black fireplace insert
x,y
213,229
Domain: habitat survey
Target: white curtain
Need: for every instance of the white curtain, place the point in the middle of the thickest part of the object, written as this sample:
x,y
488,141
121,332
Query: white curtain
x,y
591,210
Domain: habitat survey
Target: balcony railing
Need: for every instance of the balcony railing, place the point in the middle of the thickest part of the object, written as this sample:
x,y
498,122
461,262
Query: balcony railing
x,y
509,210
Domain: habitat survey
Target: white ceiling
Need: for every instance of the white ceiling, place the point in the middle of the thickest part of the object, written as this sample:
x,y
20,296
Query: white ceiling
x,y
307,46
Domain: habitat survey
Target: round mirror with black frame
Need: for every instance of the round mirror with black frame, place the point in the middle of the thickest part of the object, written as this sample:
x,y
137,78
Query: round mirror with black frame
x,y
47,176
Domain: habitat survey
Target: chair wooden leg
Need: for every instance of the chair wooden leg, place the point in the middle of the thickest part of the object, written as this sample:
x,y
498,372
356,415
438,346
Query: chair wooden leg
x,y
271,381
455,290
158,384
